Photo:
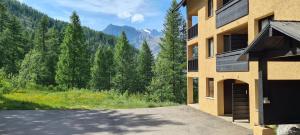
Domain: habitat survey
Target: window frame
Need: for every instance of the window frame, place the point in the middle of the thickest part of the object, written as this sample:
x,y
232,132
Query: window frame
x,y
210,90
195,52
261,21
210,48
210,8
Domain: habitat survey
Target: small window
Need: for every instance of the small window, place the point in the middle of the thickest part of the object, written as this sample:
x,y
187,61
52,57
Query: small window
x,y
265,22
210,9
195,52
210,88
210,48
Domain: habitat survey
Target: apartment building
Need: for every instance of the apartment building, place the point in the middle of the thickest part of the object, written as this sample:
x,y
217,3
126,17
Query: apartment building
x,y
244,60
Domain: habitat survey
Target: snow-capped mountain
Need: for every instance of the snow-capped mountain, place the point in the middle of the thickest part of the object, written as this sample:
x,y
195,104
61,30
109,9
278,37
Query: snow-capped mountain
x,y
136,37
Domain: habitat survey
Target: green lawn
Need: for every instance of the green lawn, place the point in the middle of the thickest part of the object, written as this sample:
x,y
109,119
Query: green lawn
x,y
73,99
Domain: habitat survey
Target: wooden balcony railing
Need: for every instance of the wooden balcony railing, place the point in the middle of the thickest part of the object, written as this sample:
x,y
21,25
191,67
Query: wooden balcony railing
x,y
227,62
232,11
193,65
193,31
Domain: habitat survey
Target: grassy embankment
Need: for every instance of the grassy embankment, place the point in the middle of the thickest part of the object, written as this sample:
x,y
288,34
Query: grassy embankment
x,y
31,99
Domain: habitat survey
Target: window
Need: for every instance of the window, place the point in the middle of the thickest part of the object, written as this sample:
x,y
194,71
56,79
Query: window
x,y
195,52
210,8
210,47
265,22
235,42
210,88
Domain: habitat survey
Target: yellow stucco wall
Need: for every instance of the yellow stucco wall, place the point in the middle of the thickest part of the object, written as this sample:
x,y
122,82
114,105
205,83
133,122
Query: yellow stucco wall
x,y
281,9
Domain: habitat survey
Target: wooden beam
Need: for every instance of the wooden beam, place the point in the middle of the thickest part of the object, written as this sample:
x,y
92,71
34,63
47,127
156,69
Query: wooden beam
x,y
282,53
262,79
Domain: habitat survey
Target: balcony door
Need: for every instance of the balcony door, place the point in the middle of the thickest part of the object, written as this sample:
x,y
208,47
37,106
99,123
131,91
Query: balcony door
x,y
235,42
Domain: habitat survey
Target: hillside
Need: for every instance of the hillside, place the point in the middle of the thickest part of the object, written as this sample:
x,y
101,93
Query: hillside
x,y
29,18
136,37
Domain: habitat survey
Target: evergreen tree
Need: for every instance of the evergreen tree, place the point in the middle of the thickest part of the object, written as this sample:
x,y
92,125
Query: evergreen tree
x,y
169,82
102,69
31,72
40,37
34,67
124,62
3,17
145,61
3,23
52,46
73,66
12,43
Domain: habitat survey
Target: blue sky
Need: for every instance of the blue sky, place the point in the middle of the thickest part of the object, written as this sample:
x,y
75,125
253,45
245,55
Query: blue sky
x,y
97,14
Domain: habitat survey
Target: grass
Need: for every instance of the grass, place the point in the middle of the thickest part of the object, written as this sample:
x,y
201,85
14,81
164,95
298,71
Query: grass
x,y
73,99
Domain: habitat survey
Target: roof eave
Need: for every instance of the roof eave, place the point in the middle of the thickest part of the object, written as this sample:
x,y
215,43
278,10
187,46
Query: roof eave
x,y
180,4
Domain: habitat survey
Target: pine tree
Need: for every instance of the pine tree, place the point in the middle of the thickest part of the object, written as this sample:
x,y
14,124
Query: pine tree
x,y
3,23
12,43
144,66
169,79
52,46
124,62
102,69
73,66
34,67
3,17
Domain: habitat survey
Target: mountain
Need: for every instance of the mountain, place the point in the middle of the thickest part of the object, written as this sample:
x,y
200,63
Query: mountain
x,y
136,37
30,18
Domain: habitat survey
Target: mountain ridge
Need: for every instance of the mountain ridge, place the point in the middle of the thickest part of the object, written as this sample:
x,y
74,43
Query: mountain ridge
x,y
136,37
29,18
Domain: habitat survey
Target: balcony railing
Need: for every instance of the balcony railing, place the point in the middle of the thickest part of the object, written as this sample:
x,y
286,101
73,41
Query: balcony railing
x,y
193,31
227,62
193,65
232,11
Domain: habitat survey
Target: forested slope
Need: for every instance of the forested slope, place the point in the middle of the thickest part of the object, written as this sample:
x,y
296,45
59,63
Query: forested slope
x,y
30,17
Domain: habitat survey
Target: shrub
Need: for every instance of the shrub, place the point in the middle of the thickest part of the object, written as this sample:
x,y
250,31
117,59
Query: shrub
x,y
6,84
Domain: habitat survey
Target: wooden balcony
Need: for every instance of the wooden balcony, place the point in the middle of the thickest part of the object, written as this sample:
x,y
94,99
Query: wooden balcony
x,y
232,11
193,32
193,65
227,62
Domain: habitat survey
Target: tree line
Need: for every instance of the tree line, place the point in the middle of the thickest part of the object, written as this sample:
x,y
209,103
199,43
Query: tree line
x,y
50,59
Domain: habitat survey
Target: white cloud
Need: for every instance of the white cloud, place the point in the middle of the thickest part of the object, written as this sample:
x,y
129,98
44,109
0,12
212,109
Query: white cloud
x,y
124,15
136,10
137,18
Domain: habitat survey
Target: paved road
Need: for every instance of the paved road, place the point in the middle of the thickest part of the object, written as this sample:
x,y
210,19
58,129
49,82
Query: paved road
x,y
181,120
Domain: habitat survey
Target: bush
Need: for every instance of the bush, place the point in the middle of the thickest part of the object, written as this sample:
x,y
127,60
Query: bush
x,y
6,84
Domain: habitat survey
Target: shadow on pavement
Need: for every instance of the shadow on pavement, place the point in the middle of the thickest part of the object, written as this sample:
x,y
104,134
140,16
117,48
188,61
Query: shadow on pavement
x,y
77,122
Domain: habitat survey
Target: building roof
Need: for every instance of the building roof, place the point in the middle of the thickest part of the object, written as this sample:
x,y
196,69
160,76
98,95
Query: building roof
x,y
266,41
291,29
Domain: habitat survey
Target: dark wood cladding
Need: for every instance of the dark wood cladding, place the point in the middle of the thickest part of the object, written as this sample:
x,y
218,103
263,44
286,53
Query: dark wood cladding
x,y
231,12
284,102
193,31
227,62
240,102
193,65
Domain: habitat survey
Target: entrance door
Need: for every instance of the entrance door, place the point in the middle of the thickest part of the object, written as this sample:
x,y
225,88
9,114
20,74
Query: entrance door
x,y
240,102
